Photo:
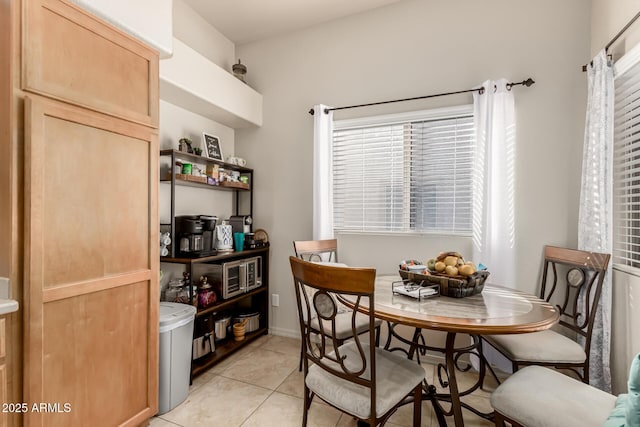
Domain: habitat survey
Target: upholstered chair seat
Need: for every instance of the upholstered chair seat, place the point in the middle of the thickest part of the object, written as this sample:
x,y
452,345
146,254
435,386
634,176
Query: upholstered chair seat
x,y
540,397
544,346
394,376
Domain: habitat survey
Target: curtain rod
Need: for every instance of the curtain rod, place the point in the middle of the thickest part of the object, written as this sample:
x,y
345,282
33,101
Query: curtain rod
x,y
616,37
528,82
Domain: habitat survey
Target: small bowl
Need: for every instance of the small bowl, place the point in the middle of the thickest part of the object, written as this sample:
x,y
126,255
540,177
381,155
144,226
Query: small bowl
x,y
405,264
416,268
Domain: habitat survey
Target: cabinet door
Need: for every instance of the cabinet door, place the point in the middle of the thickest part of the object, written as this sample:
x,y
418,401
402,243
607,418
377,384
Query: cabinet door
x,y
72,56
91,266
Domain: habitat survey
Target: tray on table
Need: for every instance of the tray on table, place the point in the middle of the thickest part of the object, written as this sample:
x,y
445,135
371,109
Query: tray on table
x,y
451,286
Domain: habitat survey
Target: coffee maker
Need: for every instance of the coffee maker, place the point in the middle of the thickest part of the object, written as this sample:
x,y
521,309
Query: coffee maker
x,y
189,229
195,235
241,223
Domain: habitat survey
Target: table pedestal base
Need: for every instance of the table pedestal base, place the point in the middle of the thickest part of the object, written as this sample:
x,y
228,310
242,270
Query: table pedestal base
x,y
446,373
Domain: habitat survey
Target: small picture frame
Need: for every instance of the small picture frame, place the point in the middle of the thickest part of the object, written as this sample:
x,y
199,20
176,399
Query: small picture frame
x,y
211,147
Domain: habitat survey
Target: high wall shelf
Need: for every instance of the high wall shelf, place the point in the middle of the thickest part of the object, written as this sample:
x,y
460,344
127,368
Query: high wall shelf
x,y
193,82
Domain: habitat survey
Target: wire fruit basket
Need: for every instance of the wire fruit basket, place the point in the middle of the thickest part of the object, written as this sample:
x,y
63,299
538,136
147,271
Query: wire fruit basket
x,y
451,286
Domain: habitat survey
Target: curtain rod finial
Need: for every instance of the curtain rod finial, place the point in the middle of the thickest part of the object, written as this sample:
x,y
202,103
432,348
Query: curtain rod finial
x,y
311,111
528,82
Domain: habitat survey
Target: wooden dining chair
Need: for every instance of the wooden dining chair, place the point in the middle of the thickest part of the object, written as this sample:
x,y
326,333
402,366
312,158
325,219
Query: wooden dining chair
x,y
326,251
317,250
356,377
567,273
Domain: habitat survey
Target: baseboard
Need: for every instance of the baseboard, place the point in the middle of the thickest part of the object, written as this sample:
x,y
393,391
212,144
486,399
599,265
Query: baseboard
x,y
282,332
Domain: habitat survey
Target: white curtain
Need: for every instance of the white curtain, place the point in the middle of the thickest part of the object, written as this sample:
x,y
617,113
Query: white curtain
x,y
322,173
595,217
494,176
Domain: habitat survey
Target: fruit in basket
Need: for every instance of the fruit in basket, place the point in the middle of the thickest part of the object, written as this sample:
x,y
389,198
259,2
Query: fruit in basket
x,y
451,270
451,260
466,270
451,264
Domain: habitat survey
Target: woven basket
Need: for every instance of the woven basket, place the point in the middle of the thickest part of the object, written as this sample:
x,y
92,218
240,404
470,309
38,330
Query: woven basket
x,y
451,286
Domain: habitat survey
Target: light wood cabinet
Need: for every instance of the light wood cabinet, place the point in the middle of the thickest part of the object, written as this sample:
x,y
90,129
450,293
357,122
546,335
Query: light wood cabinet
x,y
79,113
76,58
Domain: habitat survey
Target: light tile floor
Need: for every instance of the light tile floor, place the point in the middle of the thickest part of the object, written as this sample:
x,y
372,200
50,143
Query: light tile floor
x,y
260,386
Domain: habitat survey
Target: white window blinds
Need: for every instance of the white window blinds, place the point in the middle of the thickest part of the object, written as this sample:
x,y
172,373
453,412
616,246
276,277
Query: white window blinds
x,y
626,168
404,173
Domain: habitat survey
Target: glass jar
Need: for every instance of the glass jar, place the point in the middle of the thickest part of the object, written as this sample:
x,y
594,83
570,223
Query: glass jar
x,y
206,296
173,290
184,297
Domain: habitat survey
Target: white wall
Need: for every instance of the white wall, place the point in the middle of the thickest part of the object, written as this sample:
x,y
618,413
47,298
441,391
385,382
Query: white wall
x,y
201,36
148,20
417,48
607,18
176,123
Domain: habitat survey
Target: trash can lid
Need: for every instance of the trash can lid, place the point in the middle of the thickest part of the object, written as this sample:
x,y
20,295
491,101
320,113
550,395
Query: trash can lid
x,y
173,315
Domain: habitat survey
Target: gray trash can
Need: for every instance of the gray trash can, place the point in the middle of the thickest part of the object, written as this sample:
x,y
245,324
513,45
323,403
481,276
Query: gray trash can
x,y
176,338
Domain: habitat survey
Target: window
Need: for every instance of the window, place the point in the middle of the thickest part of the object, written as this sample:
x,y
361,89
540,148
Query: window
x,y
404,173
626,168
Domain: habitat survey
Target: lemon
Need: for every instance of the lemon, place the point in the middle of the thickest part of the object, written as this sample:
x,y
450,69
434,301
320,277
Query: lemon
x,y
451,260
451,270
466,270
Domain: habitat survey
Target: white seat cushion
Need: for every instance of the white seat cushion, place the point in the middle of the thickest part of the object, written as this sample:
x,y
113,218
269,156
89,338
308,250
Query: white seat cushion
x,y
543,346
343,325
540,397
396,377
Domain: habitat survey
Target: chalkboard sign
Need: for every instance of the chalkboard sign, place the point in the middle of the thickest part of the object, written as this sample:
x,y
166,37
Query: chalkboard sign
x,y
211,146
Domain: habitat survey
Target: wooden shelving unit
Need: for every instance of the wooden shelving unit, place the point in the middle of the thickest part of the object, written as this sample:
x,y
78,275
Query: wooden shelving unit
x,y
256,299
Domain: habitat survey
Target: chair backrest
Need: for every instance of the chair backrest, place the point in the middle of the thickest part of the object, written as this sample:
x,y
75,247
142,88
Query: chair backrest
x,y
317,250
317,287
576,285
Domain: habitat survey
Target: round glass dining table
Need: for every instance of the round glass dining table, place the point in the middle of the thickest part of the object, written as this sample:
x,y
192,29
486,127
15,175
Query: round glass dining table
x,y
497,310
